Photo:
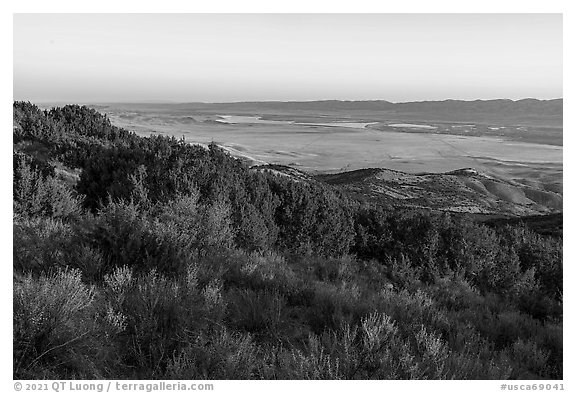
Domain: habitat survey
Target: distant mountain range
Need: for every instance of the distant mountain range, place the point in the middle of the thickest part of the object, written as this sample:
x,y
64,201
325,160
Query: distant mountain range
x,y
551,107
500,111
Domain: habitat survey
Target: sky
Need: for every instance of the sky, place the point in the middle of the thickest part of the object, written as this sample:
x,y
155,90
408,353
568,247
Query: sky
x,y
88,58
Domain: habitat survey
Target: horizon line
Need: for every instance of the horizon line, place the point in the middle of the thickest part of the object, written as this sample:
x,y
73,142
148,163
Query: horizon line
x,y
175,102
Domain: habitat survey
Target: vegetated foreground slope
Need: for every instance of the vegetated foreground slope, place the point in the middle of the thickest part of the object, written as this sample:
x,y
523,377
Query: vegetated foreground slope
x,y
149,258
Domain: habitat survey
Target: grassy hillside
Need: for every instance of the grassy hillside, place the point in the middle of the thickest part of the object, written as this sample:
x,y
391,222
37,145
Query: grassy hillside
x,y
149,258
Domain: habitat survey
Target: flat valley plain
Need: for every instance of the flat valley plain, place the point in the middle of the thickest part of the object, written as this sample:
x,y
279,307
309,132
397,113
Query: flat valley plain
x,y
321,137
519,145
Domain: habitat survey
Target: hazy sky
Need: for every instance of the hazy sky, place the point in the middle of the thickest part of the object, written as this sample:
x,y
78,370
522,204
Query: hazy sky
x,y
241,57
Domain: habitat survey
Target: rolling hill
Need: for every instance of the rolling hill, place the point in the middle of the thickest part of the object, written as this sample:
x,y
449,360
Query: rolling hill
x,y
461,191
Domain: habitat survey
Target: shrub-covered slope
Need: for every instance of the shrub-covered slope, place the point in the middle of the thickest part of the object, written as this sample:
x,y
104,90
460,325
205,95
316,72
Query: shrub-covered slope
x,y
146,258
